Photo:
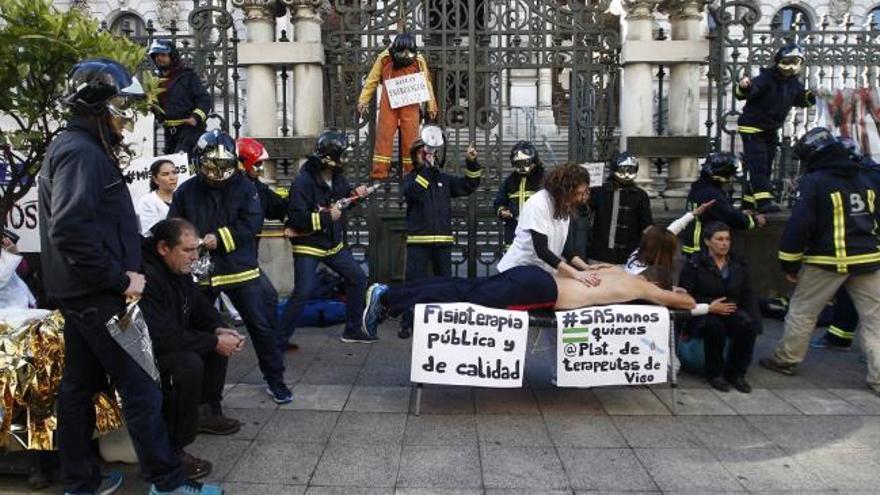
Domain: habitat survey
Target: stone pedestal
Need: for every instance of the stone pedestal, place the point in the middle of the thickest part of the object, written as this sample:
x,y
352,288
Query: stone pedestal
x,y
685,17
637,101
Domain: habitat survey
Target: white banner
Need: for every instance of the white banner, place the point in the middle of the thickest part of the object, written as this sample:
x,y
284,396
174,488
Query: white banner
x,y
23,218
612,345
407,90
597,172
467,344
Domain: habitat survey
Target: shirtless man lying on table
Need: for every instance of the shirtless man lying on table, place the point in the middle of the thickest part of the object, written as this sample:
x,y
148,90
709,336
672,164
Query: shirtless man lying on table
x,y
520,288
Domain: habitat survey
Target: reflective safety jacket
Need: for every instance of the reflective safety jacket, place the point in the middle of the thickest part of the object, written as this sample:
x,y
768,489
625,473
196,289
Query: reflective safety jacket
x,y
182,96
833,224
428,192
620,215
704,190
769,98
230,211
308,211
513,193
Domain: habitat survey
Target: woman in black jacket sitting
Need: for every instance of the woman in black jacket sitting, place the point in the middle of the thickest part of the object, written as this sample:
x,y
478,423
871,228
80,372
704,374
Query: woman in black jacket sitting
x,y
717,277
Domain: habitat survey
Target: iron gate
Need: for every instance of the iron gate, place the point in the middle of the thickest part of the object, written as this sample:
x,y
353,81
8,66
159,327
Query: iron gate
x,y
472,47
837,56
209,45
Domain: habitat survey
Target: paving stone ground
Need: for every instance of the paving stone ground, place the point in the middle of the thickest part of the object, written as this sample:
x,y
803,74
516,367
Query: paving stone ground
x,y
350,431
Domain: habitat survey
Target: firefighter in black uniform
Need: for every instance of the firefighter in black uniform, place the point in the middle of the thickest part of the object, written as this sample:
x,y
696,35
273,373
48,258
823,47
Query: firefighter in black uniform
x,y
527,179
183,103
316,228
428,192
621,212
716,172
830,241
769,97
224,206
92,258
845,319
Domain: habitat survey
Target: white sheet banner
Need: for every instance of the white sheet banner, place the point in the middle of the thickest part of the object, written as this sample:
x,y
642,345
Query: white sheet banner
x,y
467,344
597,172
23,219
612,345
407,90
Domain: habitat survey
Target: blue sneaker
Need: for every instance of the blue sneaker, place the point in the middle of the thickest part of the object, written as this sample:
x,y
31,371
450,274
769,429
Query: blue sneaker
x,y
373,309
280,393
189,487
110,482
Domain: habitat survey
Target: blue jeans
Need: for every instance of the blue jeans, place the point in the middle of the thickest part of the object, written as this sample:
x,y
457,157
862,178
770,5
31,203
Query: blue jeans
x,y
258,313
304,268
418,259
91,355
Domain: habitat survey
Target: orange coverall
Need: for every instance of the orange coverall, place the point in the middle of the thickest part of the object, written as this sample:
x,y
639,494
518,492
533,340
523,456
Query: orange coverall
x,y
406,118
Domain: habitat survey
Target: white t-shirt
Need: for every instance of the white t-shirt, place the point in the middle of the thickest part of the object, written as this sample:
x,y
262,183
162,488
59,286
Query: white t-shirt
x,y
150,211
537,215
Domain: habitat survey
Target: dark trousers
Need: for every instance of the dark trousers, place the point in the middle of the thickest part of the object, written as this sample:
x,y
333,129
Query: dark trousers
x,y
270,298
844,320
419,259
258,316
759,152
182,138
304,268
523,286
188,380
90,355
736,329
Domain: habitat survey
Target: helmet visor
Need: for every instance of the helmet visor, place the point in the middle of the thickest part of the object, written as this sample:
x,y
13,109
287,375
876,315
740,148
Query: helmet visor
x,y
791,65
626,172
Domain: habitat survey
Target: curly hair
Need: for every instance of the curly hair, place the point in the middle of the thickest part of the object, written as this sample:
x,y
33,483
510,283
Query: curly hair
x,y
562,183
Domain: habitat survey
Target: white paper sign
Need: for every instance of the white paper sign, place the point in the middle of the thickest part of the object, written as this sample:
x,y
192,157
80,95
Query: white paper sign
x,y
23,218
597,172
612,345
467,344
407,90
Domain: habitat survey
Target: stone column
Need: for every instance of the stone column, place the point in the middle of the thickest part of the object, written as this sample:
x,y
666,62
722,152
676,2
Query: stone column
x,y
686,19
262,120
544,119
637,90
308,84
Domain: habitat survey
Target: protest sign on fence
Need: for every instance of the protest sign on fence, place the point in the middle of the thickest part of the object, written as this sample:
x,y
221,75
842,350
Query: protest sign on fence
x,y
597,172
23,218
467,344
407,90
612,345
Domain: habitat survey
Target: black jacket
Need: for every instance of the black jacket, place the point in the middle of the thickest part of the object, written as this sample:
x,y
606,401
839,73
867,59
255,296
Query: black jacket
x,y
703,281
308,211
273,205
89,232
833,224
513,193
428,192
179,317
232,213
183,96
704,190
769,99
633,216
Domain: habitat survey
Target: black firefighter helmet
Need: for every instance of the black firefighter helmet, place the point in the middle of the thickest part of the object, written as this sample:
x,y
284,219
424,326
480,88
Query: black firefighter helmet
x,y
403,50
625,168
331,148
812,142
165,47
99,85
789,60
721,166
524,157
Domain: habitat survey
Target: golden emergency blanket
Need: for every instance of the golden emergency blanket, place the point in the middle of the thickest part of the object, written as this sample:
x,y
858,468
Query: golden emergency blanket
x,y
31,364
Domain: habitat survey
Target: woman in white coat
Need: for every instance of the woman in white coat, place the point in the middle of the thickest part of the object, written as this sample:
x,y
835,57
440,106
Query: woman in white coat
x,y
153,206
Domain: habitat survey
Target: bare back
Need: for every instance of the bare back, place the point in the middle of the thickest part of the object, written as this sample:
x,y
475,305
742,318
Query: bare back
x,y
617,287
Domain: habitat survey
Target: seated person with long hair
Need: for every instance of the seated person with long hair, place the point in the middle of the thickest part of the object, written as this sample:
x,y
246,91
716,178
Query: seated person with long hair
x,y
520,288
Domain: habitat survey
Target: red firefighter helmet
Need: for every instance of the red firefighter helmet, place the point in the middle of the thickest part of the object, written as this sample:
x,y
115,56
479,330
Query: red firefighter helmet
x,y
251,154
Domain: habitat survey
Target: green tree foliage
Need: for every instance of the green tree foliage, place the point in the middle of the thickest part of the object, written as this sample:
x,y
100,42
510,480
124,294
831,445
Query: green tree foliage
x,y
39,45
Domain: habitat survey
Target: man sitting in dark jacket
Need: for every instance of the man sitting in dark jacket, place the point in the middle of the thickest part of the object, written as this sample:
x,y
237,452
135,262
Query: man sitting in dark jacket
x,y
717,277
189,341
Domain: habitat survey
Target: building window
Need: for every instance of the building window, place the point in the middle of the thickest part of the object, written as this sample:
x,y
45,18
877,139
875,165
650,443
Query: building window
x,y
791,18
874,19
129,24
